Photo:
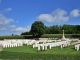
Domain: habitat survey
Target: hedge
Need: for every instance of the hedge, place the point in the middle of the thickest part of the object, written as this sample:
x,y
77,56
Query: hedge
x,y
43,36
60,36
11,37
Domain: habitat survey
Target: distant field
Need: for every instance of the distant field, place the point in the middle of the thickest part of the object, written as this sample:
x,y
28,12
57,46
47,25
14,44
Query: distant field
x,y
28,53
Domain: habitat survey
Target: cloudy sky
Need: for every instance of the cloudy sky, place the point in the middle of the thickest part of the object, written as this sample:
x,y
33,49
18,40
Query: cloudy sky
x,y
16,16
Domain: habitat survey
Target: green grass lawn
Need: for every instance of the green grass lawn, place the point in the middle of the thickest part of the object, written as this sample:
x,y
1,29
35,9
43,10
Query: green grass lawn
x,y
28,53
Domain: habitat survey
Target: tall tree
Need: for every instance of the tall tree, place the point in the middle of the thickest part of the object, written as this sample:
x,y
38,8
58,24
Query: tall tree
x,y
37,28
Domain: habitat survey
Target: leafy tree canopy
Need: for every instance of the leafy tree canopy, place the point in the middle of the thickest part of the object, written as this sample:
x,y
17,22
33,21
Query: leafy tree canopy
x,y
37,29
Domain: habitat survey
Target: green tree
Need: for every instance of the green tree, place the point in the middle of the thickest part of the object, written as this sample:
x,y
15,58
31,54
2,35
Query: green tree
x,y
26,33
37,29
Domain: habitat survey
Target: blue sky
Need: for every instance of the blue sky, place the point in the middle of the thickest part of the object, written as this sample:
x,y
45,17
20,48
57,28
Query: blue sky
x,y
16,16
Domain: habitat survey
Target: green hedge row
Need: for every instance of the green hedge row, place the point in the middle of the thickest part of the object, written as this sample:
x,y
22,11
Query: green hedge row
x,y
60,36
43,36
11,37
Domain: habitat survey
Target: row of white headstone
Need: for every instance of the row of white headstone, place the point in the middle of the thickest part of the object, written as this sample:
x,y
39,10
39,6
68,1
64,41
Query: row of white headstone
x,y
15,43
45,46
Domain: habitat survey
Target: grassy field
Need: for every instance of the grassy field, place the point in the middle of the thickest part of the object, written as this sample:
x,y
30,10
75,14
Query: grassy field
x,y
28,53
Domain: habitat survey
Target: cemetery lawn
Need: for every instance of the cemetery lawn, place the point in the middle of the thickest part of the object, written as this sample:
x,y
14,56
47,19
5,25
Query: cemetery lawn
x,y
29,53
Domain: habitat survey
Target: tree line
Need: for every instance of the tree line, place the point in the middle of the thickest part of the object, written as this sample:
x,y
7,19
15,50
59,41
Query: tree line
x,y
38,28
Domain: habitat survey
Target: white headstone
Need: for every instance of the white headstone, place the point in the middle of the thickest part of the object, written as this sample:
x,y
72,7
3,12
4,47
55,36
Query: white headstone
x,y
45,47
50,46
42,47
38,48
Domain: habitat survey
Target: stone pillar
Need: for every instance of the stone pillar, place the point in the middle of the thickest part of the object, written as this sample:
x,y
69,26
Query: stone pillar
x,y
77,47
16,45
42,47
61,45
50,46
39,48
6,45
45,47
33,46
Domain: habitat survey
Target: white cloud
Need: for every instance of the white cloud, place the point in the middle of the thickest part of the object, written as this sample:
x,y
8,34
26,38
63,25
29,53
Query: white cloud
x,y
12,26
58,15
5,20
2,29
8,9
20,29
60,12
5,10
45,17
8,25
0,1
75,13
